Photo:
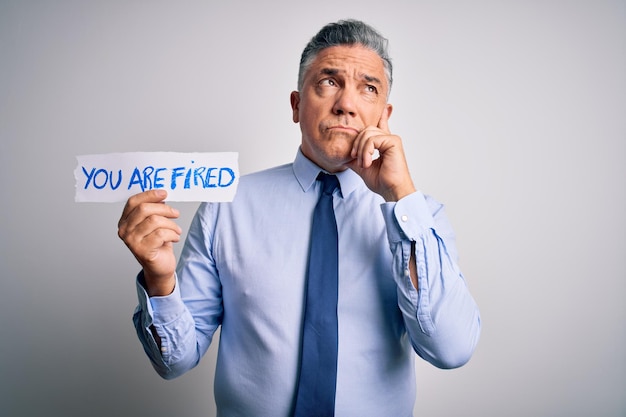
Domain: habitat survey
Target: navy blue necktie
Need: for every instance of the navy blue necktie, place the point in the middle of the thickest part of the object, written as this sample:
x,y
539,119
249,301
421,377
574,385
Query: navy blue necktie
x,y
318,369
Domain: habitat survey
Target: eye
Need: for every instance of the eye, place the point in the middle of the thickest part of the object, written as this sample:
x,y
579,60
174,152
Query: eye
x,y
328,82
371,89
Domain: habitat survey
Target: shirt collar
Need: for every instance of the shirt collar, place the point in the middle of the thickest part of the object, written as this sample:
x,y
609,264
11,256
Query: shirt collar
x,y
306,172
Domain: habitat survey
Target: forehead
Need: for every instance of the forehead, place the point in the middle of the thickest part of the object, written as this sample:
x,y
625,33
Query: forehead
x,y
349,60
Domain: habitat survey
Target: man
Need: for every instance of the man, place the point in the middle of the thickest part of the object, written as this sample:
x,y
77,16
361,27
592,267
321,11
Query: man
x,y
244,264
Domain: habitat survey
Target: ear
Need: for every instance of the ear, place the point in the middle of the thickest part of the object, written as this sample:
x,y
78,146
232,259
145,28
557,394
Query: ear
x,y
295,106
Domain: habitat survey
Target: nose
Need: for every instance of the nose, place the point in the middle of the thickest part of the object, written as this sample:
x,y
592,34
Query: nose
x,y
345,103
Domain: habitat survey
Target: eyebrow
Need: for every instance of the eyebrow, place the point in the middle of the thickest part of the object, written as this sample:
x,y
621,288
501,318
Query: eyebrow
x,y
335,71
372,79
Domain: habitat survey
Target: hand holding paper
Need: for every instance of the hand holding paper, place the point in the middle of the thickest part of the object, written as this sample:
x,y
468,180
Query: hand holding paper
x,y
147,228
147,179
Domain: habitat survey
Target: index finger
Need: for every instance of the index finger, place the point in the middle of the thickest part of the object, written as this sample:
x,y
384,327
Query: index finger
x,y
151,196
383,122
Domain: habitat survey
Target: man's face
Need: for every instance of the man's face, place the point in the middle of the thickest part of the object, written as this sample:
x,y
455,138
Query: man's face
x,y
344,90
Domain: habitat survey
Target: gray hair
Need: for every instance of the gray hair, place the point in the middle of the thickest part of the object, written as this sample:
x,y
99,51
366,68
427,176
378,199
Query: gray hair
x,y
345,32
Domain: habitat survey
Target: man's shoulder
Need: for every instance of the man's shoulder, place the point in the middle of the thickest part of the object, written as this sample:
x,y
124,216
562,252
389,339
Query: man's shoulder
x,y
255,188
280,170
279,178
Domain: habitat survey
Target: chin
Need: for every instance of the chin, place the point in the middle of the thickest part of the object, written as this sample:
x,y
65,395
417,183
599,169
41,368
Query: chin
x,y
332,155
337,161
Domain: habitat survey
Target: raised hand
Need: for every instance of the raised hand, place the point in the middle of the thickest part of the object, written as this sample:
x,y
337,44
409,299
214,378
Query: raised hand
x,y
387,175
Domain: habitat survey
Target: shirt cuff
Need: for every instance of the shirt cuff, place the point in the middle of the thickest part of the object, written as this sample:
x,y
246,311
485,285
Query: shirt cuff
x,y
410,215
160,309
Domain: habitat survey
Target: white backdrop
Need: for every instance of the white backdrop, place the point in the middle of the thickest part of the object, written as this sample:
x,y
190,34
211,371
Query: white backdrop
x,y
513,115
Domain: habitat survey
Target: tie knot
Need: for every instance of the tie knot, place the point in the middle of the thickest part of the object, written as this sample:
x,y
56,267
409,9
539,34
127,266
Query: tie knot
x,y
329,182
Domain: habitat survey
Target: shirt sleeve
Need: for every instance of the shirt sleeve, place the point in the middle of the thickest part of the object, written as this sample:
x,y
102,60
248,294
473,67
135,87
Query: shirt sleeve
x,y
184,325
441,317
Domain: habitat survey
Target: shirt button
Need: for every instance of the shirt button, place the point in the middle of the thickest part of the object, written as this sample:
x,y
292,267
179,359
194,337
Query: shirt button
x,y
404,218
163,349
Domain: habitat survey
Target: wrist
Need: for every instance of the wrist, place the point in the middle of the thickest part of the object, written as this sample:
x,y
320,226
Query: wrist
x,y
158,286
398,193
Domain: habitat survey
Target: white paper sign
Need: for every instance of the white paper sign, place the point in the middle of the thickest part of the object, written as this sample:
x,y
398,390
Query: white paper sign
x,y
185,176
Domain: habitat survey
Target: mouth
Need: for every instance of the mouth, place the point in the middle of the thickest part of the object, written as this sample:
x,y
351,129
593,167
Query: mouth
x,y
346,129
